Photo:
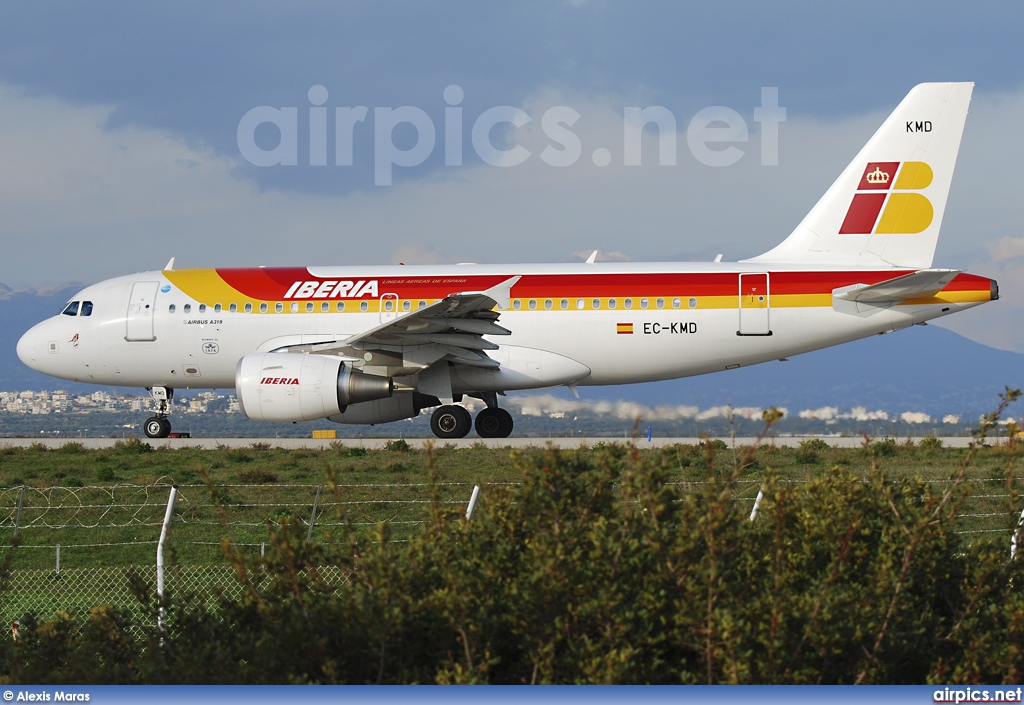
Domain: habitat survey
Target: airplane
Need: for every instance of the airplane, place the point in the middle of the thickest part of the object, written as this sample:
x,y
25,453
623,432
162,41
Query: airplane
x,y
372,345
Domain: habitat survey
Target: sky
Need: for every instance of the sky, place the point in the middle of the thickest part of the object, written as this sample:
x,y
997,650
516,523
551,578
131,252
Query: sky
x,y
437,132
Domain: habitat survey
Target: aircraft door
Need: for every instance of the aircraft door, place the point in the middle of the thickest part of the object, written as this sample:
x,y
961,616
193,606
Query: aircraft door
x,y
139,321
754,305
388,307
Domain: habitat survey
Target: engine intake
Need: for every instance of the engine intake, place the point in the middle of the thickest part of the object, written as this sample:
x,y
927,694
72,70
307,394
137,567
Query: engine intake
x,y
302,387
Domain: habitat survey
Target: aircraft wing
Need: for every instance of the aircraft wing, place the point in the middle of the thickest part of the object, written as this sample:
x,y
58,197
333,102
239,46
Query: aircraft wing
x,y
452,327
916,285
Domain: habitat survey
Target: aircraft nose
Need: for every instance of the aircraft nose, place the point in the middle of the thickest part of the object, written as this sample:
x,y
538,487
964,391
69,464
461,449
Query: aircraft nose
x,y
30,348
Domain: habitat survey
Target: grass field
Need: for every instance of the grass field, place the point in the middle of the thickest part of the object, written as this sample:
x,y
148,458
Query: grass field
x,y
104,507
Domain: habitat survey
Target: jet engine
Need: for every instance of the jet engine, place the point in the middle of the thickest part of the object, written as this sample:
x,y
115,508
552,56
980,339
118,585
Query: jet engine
x,y
302,387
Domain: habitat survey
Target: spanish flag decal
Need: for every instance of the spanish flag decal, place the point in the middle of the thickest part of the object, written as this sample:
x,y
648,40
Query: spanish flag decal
x,y
624,328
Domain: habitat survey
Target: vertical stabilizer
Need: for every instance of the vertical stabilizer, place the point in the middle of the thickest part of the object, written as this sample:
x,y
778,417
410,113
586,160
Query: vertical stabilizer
x,y
886,208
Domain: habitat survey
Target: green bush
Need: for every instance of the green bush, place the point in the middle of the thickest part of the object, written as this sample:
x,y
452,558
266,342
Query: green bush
x,y
105,474
399,446
132,446
885,448
810,450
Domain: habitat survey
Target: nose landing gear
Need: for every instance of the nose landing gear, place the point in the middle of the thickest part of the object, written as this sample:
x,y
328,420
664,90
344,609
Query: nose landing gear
x,y
158,426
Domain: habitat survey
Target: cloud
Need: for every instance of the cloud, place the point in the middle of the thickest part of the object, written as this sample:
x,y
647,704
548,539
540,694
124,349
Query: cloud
x,y
84,199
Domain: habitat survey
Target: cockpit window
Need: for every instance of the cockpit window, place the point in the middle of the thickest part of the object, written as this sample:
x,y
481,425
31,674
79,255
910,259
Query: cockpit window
x,y
86,308
71,309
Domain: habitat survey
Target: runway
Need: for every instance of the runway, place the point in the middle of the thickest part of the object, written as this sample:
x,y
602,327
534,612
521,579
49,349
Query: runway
x,y
512,443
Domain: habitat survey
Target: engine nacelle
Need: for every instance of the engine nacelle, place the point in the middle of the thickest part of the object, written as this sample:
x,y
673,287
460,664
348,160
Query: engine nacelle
x,y
302,387
403,405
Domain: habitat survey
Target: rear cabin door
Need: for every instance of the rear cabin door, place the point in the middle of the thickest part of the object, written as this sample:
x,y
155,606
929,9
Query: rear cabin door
x,y
755,304
139,321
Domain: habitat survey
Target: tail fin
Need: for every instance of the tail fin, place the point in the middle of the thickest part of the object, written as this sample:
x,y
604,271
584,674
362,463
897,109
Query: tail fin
x,y
886,208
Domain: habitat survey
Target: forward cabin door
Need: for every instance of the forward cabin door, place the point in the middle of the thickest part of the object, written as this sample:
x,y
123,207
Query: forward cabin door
x,y
388,308
139,321
755,303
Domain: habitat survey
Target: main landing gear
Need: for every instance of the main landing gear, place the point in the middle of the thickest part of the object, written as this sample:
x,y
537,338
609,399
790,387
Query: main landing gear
x,y
158,426
452,421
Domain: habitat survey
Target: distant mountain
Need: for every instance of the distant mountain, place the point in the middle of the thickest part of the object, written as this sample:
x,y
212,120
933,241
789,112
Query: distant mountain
x,y
926,368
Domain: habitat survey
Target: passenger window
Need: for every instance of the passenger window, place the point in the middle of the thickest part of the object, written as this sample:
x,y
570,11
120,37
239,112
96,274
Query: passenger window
x,y
676,302
597,303
580,303
263,307
172,308
86,308
564,303
643,303
341,306
187,308
216,308
71,309
533,304
660,303
547,304
517,304
628,303
325,306
363,306
233,308
278,307
309,307
406,305
248,307
611,303
202,308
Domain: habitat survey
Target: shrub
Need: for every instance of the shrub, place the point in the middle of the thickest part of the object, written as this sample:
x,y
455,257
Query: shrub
x,y
885,448
398,446
132,446
72,447
72,482
261,445
930,444
810,450
105,474
257,476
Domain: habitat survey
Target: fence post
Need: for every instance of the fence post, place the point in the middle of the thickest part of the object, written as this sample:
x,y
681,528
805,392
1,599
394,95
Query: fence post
x,y
58,559
757,503
312,517
472,501
168,515
1016,537
17,516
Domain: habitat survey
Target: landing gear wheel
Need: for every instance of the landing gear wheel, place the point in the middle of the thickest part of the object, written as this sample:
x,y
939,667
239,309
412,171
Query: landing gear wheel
x,y
157,427
450,421
494,422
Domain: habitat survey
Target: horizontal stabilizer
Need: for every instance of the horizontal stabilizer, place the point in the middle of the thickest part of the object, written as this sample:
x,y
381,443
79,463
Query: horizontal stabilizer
x,y
917,285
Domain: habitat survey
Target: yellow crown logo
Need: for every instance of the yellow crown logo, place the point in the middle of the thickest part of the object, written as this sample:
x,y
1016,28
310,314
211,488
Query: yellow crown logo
x,y
878,176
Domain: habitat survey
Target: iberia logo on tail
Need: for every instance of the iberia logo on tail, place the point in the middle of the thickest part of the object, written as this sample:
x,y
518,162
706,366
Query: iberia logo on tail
x,y
889,189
